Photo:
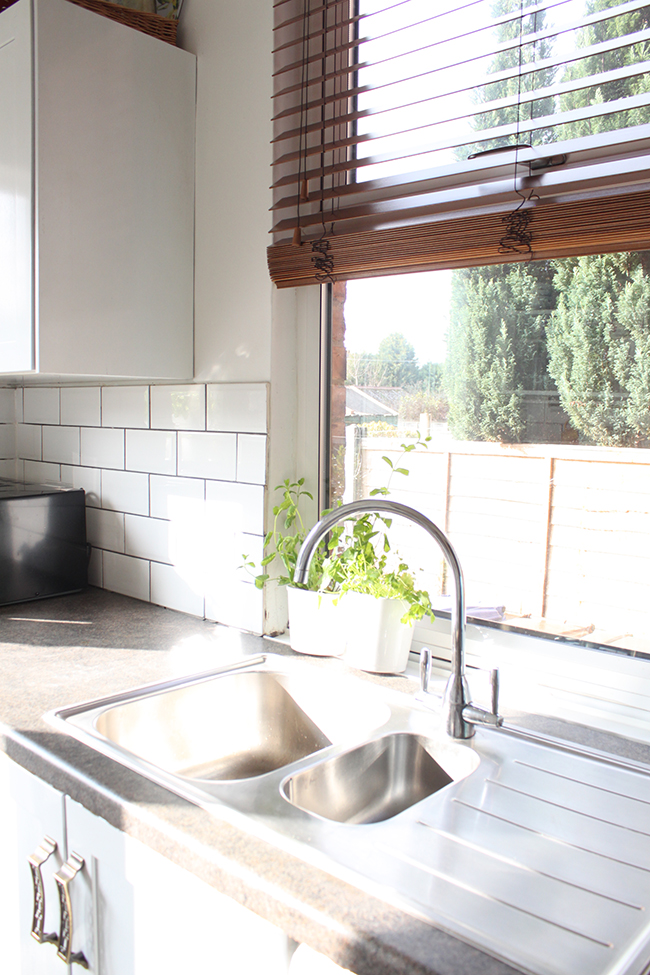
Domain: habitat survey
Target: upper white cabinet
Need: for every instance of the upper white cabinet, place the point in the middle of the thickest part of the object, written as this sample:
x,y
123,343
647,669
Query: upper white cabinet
x,y
96,197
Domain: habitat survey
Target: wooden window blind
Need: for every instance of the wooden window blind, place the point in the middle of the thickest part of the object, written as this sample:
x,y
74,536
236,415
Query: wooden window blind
x,y
407,131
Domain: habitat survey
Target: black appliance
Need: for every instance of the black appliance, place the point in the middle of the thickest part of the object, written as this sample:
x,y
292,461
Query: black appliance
x,y
43,550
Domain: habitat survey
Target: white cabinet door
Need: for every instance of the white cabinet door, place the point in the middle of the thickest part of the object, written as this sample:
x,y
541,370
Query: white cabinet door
x,y
102,898
96,262
132,911
16,280
151,916
185,925
36,812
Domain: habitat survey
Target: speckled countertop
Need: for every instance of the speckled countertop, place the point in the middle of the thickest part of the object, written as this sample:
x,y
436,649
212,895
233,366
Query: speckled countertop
x,y
74,648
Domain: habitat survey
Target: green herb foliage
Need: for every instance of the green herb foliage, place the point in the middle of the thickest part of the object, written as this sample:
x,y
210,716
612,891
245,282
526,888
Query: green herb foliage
x,y
356,556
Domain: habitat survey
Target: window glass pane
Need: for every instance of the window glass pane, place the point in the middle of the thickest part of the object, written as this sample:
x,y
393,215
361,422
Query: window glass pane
x,y
440,81
532,381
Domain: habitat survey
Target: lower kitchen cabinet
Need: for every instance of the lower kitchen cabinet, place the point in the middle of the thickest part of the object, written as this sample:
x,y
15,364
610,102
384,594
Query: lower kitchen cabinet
x,y
132,911
30,812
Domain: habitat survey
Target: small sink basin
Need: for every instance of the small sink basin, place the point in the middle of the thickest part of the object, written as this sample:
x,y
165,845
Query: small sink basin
x,y
236,727
379,779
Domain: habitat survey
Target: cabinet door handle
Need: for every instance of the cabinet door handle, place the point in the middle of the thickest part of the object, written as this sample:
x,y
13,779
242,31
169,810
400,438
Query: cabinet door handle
x,y
36,860
64,878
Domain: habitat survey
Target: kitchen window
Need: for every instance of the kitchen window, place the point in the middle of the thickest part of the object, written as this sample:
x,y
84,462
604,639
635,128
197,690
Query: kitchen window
x,y
501,151
525,389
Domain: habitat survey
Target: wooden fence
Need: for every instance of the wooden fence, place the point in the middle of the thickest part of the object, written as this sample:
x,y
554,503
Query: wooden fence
x,y
558,534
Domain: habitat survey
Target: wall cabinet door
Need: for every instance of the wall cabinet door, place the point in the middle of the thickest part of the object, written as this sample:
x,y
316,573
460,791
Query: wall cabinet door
x,y
96,261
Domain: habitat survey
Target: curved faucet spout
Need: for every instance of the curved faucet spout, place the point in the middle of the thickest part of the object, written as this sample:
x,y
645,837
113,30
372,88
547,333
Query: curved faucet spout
x,y
457,698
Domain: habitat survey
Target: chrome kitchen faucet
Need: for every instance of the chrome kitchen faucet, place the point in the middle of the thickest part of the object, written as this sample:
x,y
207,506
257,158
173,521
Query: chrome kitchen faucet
x,y
459,712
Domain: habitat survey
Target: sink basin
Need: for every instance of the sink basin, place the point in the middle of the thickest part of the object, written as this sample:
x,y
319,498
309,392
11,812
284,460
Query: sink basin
x,y
235,723
240,726
379,779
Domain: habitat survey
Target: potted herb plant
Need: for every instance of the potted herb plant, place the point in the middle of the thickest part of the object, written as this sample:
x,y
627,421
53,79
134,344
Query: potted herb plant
x,y
360,596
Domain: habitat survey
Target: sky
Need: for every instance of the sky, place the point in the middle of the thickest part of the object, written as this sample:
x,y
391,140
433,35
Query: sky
x,y
416,305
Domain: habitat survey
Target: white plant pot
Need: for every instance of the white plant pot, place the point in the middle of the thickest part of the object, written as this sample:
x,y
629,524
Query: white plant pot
x,y
376,639
316,624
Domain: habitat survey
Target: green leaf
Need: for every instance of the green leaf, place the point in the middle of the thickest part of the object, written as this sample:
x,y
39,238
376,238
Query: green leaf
x,y
388,461
402,470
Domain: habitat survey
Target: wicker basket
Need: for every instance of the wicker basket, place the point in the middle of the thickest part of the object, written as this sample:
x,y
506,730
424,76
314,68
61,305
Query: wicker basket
x,y
162,27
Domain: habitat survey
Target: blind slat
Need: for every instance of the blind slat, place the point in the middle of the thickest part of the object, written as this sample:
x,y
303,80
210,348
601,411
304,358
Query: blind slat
x,y
525,98
532,67
589,113
536,37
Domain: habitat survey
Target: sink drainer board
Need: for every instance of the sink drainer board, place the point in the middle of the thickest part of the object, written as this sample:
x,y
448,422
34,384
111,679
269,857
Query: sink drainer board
x,y
532,851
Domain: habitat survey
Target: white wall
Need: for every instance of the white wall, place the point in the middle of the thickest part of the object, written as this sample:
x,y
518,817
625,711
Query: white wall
x,y
233,42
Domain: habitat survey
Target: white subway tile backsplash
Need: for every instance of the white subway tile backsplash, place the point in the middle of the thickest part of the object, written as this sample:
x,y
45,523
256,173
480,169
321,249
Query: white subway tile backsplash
x,y
102,448
81,405
237,407
239,604
7,441
9,468
88,478
61,444
169,588
39,473
40,404
178,407
125,406
105,529
166,491
95,568
125,491
153,451
127,575
7,405
248,499
147,538
171,507
28,441
211,455
251,458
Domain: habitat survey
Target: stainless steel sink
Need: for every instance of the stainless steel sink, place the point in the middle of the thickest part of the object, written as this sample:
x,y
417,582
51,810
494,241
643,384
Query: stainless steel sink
x,y
529,849
379,779
234,723
244,725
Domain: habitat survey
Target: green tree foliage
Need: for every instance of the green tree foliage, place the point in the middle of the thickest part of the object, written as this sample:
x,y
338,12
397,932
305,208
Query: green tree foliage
x,y
599,346
504,93
604,91
395,364
497,348
399,359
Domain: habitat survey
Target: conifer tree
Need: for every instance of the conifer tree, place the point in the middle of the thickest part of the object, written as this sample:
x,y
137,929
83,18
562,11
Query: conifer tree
x,y
497,348
599,346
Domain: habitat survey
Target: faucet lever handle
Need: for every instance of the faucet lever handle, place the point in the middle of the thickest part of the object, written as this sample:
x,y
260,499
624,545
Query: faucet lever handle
x,y
494,688
425,669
